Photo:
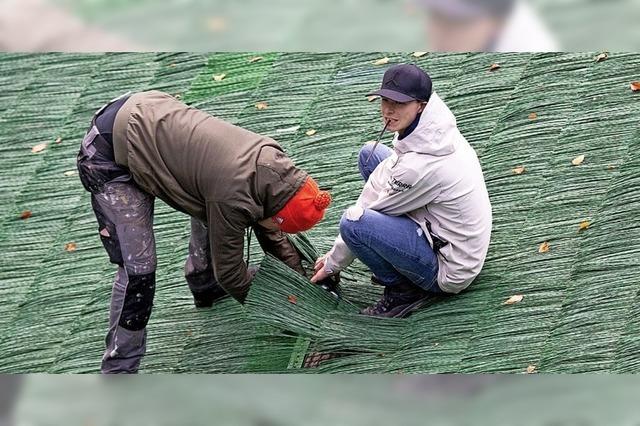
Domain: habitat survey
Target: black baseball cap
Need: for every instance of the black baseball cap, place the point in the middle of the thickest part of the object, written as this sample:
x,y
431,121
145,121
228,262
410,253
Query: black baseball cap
x,y
405,83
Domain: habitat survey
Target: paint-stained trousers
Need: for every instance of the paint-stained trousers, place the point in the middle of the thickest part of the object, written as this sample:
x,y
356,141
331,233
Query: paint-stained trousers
x,y
125,224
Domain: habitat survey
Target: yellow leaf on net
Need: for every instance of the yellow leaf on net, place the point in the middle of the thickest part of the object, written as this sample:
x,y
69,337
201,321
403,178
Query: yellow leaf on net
x,y
531,369
219,77
533,116
382,61
372,98
601,57
544,247
635,86
578,160
255,59
494,67
292,299
419,54
519,170
70,173
585,224
70,247
310,132
39,148
262,105
514,299
59,140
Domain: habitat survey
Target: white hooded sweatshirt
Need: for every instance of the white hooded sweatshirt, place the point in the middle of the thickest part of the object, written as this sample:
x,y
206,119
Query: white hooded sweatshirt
x,y
434,177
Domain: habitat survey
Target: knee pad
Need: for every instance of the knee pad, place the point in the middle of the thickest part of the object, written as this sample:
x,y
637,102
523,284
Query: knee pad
x,y
138,302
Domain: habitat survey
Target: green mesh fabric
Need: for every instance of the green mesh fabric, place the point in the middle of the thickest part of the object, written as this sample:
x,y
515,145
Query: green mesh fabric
x,y
540,111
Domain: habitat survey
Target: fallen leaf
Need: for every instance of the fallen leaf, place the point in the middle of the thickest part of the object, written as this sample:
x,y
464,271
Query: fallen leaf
x,y
177,96
372,98
611,167
382,61
310,132
514,299
219,77
419,54
531,369
105,232
544,247
292,299
39,148
59,141
519,170
635,86
26,214
70,247
262,105
578,160
216,24
533,116
70,173
601,57
494,67
172,65
585,224
255,59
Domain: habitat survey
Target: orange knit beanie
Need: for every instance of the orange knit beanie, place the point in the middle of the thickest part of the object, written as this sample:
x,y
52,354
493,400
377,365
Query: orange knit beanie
x,y
305,209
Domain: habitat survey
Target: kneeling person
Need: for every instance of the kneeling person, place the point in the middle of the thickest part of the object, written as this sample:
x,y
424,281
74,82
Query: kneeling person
x,y
422,223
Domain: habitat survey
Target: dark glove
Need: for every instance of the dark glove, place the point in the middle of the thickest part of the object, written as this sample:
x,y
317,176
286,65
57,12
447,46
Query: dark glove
x,y
278,245
331,284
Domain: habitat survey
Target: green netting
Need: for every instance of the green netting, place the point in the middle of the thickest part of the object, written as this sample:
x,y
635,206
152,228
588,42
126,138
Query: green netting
x,y
581,298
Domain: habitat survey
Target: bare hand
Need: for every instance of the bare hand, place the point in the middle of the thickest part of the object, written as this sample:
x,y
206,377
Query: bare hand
x,y
320,273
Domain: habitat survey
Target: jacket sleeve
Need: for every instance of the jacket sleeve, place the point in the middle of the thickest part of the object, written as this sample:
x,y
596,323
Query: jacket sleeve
x,y
226,237
391,189
277,244
399,192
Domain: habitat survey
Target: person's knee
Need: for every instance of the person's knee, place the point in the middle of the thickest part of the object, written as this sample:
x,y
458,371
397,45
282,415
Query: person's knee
x,y
350,222
365,152
363,156
138,301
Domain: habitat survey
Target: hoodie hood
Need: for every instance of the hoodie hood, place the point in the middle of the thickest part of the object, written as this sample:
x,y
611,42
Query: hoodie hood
x,y
436,133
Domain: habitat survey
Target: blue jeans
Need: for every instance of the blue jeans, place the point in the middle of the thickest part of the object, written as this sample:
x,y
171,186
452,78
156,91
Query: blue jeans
x,y
393,247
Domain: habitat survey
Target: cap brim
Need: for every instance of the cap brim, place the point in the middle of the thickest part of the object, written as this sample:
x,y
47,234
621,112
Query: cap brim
x,y
393,95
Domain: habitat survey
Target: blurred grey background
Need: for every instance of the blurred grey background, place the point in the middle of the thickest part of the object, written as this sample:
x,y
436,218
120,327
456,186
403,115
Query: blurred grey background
x,y
328,25
266,400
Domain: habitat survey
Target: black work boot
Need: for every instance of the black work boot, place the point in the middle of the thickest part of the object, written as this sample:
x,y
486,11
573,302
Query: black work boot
x,y
206,298
398,301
